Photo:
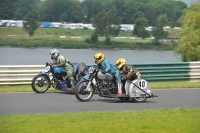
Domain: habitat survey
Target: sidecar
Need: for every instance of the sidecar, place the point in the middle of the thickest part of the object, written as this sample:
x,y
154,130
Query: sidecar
x,y
139,91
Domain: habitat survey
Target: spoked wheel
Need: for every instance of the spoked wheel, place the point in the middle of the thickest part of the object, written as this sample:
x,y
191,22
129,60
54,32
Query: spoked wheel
x,y
40,83
83,91
139,99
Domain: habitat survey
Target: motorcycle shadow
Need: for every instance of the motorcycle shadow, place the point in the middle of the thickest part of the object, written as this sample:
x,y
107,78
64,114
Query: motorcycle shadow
x,y
116,100
62,92
71,93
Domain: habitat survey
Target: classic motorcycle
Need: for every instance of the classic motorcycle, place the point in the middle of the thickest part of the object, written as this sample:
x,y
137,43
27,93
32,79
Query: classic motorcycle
x,y
105,86
55,77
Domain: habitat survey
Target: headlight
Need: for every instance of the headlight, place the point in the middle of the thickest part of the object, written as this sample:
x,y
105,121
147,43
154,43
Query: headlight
x,y
47,69
91,69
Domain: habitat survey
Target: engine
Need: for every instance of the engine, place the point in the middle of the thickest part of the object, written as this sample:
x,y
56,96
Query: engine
x,y
60,76
107,85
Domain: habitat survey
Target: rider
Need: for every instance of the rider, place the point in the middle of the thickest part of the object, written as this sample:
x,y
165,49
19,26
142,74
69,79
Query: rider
x,y
61,61
107,67
130,73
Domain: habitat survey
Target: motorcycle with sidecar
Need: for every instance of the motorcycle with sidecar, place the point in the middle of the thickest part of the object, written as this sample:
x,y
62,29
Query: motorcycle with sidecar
x,y
105,86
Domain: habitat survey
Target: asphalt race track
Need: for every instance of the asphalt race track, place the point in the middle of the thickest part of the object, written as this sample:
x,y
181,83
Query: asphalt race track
x,y
59,102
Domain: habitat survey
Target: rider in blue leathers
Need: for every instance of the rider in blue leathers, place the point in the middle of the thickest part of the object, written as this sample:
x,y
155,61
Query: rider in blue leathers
x,y
107,67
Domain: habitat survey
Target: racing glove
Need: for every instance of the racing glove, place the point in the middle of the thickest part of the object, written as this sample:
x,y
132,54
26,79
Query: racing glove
x,y
54,66
123,78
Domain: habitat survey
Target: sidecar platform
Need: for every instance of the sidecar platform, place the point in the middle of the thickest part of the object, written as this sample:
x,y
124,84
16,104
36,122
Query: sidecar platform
x,y
116,96
124,96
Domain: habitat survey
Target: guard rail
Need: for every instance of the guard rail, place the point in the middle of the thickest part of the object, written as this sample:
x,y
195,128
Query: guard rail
x,y
167,71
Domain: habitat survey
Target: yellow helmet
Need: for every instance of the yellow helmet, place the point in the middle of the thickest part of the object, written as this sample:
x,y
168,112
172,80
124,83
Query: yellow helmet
x,y
99,57
120,62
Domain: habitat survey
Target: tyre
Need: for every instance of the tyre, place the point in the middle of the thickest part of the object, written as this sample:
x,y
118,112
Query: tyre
x,y
139,99
40,83
81,93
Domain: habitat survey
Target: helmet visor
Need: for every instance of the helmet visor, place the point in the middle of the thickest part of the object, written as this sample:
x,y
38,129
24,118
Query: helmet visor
x,y
117,64
52,55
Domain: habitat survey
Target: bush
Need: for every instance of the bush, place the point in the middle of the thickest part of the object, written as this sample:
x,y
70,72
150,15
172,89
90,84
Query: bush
x,y
88,40
94,37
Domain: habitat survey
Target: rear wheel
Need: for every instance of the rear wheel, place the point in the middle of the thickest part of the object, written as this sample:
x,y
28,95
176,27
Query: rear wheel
x,y
139,99
84,91
40,83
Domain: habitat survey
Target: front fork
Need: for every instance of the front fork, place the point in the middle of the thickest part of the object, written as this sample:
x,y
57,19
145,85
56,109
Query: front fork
x,y
88,86
91,81
48,78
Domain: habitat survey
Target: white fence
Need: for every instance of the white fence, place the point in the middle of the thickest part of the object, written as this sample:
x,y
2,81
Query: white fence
x,y
19,74
23,74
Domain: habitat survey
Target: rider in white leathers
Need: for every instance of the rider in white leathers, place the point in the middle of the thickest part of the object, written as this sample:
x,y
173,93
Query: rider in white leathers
x,y
129,73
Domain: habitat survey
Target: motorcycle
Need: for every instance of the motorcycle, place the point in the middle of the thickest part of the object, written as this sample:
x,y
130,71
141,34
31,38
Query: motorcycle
x,y
55,77
105,86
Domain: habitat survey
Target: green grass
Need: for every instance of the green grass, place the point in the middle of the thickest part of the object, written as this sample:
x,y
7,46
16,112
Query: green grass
x,y
50,37
18,88
173,33
152,121
54,32
154,85
175,84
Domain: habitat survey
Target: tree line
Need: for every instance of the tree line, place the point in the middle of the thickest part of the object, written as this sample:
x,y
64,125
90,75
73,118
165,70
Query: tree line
x,y
107,15
75,11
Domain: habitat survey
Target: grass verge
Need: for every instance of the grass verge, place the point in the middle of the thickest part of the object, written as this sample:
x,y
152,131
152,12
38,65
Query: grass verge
x,y
152,121
68,38
154,85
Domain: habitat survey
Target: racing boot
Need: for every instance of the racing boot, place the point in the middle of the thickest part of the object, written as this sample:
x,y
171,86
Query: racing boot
x,y
126,90
119,87
72,83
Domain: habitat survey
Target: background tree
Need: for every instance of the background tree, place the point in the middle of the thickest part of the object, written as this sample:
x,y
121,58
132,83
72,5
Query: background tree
x,y
74,10
139,28
189,43
92,8
107,23
158,32
7,9
30,22
137,8
22,7
61,11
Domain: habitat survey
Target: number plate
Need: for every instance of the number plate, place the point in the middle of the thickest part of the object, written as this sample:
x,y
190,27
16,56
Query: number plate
x,y
142,84
47,69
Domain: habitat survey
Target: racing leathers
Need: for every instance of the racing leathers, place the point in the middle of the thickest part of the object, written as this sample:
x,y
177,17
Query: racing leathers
x,y
61,61
129,73
108,67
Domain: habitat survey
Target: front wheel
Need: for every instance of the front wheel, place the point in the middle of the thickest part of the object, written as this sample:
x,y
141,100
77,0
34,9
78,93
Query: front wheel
x,y
139,99
84,90
40,83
